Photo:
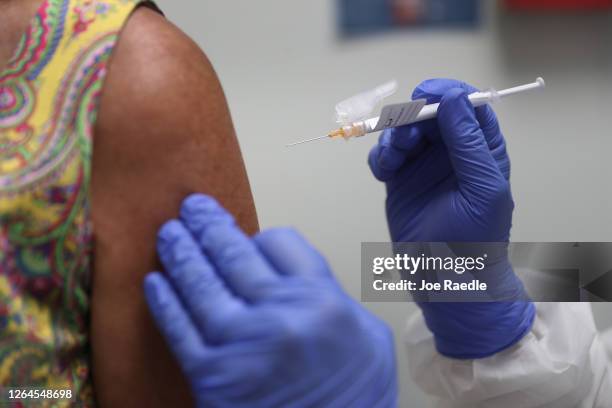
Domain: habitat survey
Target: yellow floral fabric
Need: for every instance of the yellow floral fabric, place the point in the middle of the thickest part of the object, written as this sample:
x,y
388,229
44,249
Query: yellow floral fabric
x,y
49,95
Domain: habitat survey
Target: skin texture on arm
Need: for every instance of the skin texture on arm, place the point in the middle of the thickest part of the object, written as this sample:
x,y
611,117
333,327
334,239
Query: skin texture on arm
x,y
163,132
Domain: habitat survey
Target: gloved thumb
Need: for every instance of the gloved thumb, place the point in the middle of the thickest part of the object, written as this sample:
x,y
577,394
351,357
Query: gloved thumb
x,y
477,172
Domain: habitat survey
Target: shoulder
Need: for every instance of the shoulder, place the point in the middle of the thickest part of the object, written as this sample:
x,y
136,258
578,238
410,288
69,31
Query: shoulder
x,y
153,48
159,75
164,129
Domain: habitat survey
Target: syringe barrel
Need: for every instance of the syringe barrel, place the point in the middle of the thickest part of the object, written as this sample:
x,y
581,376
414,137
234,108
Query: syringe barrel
x,y
370,124
428,112
431,111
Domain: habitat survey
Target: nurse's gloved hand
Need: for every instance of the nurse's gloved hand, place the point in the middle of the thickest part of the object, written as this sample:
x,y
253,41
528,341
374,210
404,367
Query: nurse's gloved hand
x,y
448,181
261,322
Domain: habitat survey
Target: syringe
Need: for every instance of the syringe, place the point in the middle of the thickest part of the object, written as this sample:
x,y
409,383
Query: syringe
x,y
416,111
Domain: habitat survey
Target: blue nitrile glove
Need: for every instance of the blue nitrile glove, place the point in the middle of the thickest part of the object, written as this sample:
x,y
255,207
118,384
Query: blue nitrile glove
x,y
261,322
448,181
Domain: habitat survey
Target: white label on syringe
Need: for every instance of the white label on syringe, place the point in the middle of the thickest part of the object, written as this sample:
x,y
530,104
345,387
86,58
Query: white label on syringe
x,y
399,114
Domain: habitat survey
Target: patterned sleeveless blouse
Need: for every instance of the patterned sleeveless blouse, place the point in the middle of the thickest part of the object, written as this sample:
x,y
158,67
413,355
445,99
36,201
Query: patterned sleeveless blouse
x,y
49,95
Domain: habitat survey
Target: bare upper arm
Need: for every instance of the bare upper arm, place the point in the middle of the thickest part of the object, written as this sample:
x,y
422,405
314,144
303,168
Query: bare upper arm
x,y
163,132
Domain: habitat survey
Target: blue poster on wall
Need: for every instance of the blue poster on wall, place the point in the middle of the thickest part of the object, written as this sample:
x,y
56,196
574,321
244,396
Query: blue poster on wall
x,y
369,16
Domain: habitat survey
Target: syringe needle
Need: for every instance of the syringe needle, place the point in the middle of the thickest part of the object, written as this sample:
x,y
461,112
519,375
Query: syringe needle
x,y
307,141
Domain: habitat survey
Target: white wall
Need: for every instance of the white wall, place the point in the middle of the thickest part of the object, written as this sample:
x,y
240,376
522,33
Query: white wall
x,y
283,69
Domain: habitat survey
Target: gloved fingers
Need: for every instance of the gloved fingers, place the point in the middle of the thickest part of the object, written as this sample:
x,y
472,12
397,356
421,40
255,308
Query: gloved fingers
x,y
291,254
379,173
235,256
394,149
476,170
409,139
495,138
434,89
174,322
202,291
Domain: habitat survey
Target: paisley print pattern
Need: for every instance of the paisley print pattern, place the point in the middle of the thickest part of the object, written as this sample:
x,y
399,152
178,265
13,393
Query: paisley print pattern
x,y
49,96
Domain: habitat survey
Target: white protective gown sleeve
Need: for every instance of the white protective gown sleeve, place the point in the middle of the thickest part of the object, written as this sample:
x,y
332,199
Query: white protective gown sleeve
x,y
562,362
